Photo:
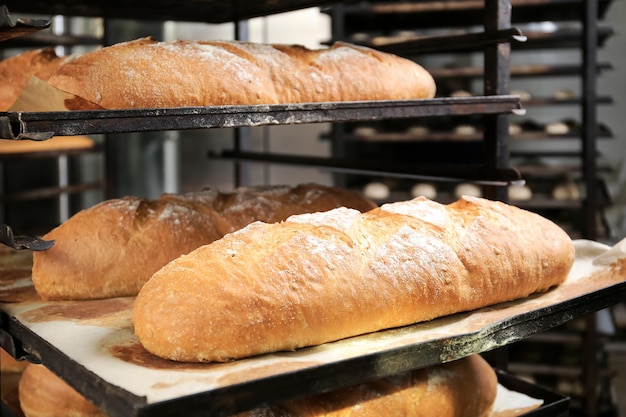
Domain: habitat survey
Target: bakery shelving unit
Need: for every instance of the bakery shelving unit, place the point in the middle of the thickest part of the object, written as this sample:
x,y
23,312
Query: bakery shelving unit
x,y
590,36
583,33
58,192
403,28
60,187
406,28
495,105
494,40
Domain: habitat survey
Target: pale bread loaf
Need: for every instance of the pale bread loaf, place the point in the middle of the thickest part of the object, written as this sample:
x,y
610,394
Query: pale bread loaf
x,y
113,248
463,388
326,276
43,394
14,74
16,70
145,73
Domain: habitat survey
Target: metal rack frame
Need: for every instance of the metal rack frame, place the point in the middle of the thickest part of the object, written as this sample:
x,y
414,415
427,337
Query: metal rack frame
x,y
43,125
497,78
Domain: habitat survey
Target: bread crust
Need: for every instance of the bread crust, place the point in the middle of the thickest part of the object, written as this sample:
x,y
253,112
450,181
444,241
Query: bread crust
x,y
321,277
145,73
10,365
16,70
43,394
463,388
113,248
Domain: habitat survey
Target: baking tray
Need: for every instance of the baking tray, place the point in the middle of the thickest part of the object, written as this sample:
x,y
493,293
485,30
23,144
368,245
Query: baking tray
x,y
46,39
42,125
553,404
470,41
91,345
387,168
519,38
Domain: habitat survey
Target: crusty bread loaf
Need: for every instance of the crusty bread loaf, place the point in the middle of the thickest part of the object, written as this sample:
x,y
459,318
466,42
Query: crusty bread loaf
x,y
8,364
145,73
326,276
463,388
111,249
43,394
16,70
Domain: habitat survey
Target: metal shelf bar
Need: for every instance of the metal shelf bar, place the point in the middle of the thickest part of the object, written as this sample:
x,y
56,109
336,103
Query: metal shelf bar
x,y
43,125
440,172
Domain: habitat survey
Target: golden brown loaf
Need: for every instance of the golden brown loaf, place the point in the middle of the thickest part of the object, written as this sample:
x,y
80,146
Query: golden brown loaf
x,y
16,70
145,73
8,364
463,388
113,248
326,276
14,74
43,394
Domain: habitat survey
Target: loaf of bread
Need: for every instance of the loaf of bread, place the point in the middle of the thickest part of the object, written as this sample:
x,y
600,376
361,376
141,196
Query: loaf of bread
x,y
10,365
16,70
113,248
463,388
321,277
43,394
145,73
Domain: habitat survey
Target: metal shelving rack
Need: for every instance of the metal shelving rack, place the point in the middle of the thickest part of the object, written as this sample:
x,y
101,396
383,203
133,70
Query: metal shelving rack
x,y
65,162
20,341
382,18
377,23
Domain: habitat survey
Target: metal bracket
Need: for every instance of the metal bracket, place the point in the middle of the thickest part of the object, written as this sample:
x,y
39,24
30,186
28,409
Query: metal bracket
x,y
21,27
20,242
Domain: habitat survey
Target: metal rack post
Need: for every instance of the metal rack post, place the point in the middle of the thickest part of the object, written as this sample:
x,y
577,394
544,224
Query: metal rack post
x,y
497,81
